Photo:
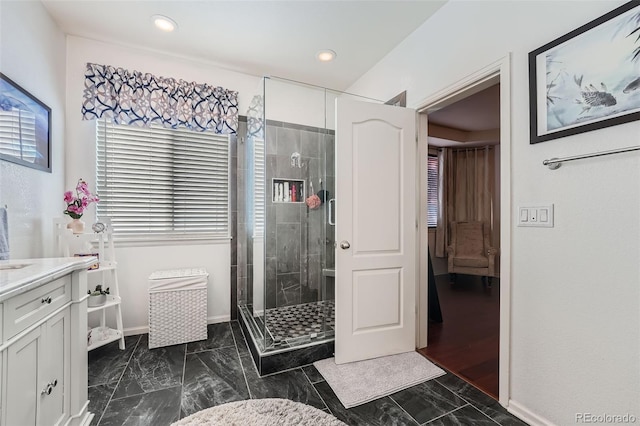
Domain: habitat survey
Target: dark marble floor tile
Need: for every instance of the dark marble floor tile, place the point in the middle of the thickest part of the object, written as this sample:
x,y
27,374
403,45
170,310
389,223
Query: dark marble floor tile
x,y
219,336
380,412
107,362
292,385
151,369
427,401
479,399
212,378
159,408
465,416
241,342
313,374
99,397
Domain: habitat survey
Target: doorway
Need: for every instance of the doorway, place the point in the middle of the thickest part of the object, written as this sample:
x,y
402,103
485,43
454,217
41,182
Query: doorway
x,y
473,339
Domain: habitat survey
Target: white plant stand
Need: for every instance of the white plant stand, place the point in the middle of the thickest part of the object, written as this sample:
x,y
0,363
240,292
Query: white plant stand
x,y
70,244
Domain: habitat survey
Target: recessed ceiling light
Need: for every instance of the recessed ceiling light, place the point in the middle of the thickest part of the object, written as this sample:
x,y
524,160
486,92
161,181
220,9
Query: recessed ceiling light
x,y
164,23
326,55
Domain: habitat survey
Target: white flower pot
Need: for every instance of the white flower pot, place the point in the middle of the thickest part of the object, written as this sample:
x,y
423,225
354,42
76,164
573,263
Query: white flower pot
x,y
95,301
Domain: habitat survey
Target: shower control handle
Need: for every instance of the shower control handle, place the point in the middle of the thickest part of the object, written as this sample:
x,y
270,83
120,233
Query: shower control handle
x,y
344,245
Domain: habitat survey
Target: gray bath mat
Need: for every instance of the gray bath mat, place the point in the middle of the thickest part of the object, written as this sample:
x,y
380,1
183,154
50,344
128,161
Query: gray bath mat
x,y
359,382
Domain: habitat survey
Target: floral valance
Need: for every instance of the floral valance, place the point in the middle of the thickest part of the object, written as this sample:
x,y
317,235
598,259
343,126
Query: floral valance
x,y
142,99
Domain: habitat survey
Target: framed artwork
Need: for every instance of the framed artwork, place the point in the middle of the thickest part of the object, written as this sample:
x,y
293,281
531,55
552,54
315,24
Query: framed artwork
x,y
587,79
25,127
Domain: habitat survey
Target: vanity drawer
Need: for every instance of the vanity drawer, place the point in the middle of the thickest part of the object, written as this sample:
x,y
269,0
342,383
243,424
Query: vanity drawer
x,y
28,308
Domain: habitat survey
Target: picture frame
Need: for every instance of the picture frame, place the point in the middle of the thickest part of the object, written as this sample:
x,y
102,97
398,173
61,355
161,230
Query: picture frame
x,y
587,79
25,127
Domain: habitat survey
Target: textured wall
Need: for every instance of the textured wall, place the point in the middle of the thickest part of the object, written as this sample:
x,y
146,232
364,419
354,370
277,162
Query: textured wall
x,y
32,53
575,299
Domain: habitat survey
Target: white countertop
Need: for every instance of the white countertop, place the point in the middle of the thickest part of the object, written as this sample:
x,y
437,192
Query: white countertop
x,y
15,278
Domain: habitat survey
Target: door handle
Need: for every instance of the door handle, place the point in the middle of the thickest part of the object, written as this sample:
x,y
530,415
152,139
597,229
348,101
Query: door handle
x,y
344,245
331,202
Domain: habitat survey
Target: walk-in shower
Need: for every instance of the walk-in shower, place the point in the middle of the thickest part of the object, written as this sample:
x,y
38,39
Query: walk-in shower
x,y
286,190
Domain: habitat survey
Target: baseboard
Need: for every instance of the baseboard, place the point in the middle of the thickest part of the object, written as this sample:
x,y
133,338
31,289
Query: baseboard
x,y
133,331
219,318
527,415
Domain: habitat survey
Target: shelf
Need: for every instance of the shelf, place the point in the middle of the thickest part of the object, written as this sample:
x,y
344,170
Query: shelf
x,y
111,336
102,246
104,266
289,191
111,301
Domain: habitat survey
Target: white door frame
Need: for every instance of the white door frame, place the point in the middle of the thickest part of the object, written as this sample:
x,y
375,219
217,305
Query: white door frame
x,y
498,71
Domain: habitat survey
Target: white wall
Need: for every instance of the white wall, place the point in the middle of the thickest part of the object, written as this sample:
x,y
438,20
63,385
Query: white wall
x,y
136,263
32,52
575,344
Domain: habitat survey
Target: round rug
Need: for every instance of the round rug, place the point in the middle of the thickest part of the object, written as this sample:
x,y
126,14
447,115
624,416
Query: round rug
x,y
261,412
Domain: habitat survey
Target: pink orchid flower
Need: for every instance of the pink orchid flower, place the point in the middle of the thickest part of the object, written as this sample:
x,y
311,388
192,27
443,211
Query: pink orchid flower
x,y
78,203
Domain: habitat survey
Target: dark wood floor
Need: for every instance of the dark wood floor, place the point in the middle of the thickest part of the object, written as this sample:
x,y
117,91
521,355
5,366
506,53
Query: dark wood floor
x,y
467,341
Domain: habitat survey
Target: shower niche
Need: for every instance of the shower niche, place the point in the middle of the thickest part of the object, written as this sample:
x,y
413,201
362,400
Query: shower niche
x,y
287,190
286,241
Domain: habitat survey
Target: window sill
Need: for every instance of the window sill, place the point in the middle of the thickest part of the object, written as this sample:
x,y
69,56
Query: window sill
x,y
168,240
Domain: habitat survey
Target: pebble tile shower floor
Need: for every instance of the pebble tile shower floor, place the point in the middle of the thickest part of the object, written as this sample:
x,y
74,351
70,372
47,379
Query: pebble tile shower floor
x,y
288,323
139,386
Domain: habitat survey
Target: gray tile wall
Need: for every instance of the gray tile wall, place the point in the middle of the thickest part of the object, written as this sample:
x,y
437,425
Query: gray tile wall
x,y
294,235
295,239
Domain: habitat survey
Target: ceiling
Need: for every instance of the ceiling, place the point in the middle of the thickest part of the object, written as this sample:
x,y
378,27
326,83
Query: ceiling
x,y
472,121
278,38
281,38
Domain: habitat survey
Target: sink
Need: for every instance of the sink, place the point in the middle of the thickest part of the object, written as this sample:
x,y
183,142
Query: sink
x,y
13,266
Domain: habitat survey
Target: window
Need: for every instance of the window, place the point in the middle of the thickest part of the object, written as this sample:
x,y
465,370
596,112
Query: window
x,y
159,181
432,191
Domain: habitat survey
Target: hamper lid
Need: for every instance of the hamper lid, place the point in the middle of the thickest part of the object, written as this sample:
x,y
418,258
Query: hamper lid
x,y
178,273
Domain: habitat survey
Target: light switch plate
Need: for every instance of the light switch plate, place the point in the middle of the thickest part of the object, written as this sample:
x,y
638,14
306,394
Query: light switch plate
x,y
537,216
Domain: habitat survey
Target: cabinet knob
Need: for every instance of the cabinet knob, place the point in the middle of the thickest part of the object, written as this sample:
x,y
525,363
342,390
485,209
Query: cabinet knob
x,y
46,300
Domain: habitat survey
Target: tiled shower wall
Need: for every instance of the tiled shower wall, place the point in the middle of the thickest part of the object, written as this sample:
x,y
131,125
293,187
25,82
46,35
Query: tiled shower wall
x,y
294,236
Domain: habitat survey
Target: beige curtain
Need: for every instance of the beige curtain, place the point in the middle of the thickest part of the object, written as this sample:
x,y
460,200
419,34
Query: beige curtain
x,y
466,191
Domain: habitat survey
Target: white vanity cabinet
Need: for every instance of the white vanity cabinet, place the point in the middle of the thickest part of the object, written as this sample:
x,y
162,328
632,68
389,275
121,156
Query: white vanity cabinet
x,y
43,378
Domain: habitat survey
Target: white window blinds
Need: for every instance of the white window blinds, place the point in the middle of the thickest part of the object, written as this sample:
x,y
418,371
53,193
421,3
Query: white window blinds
x,y
154,180
432,191
259,186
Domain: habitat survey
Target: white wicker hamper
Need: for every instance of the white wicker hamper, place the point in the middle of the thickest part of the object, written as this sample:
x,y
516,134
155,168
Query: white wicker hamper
x,y
177,306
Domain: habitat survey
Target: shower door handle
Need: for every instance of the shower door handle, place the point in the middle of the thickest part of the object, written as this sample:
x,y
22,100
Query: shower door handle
x,y
344,245
331,202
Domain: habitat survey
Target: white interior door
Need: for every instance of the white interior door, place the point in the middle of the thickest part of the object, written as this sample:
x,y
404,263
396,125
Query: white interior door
x,y
375,230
